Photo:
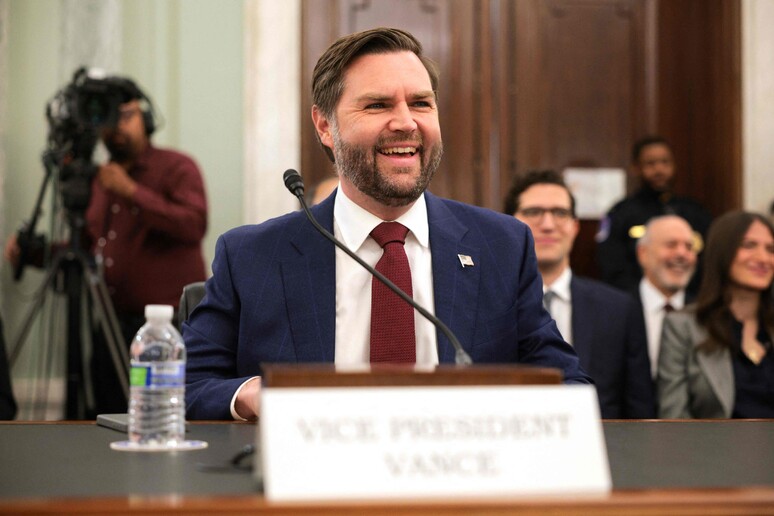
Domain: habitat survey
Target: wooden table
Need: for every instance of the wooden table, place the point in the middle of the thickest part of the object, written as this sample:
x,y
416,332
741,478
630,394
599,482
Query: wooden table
x,y
657,467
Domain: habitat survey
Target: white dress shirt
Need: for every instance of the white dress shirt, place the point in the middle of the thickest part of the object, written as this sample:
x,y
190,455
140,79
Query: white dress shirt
x,y
561,304
352,225
653,302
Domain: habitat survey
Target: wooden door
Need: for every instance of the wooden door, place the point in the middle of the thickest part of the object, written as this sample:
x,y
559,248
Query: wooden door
x,y
557,83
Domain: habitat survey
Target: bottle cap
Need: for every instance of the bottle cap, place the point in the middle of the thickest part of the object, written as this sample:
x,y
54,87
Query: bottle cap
x,y
159,312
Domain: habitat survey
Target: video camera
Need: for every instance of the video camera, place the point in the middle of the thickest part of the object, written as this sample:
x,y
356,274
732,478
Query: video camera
x,y
89,103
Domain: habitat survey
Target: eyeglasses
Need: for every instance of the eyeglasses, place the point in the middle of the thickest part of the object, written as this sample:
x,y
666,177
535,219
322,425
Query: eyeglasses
x,y
537,213
126,115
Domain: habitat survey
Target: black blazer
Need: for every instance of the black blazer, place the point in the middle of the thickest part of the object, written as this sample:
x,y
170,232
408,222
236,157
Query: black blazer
x,y
608,335
7,402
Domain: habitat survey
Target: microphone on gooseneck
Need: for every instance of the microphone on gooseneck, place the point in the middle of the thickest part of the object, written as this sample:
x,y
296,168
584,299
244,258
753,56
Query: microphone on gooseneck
x,y
295,184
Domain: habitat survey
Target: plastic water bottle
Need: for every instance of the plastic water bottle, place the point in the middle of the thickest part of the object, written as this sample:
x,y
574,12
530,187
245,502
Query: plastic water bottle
x,y
157,382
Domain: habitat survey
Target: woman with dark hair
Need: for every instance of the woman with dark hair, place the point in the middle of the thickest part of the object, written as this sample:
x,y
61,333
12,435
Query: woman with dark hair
x,y
716,358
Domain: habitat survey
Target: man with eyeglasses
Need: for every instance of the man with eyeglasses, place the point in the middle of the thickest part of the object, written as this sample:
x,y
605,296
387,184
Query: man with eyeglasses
x,y
602,323
145,222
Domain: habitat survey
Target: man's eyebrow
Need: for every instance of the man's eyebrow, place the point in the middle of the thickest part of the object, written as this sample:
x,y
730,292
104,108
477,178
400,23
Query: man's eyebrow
x,y
373,97
423,95
376,97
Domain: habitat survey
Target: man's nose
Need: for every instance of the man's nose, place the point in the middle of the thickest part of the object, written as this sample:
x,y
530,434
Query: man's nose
x,y
402,119
547,221
685,251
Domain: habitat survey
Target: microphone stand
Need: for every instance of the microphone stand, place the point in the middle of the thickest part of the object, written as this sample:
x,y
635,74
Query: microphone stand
x,y
295,184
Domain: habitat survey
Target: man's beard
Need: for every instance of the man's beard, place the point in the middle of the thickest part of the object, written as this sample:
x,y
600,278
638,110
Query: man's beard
x,y
358,164
669,282
120,151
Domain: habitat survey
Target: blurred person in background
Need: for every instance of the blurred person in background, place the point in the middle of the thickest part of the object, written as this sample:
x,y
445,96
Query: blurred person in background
x,y
145,222
602,323
7,401
653,163
667,255
716,358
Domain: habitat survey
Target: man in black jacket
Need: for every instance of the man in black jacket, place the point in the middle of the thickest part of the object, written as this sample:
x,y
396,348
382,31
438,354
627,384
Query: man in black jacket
x,y
653,161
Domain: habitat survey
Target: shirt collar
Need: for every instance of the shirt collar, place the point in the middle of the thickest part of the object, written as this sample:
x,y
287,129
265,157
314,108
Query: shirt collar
x,y
356,224
561,286
653,300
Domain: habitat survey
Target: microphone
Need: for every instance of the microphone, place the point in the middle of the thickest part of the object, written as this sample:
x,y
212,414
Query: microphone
x,y
295,184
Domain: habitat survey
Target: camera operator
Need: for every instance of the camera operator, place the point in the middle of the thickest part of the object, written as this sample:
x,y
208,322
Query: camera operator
x,y
145,222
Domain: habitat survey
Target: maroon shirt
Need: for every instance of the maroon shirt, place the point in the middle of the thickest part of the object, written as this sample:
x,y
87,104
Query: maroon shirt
x,y
151,245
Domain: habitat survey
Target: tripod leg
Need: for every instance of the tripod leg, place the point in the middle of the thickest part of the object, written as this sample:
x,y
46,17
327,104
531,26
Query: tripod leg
x,y
39,299
110,328
76,391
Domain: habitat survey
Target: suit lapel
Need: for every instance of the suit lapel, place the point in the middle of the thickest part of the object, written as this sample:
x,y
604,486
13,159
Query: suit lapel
x,y
309,280
719,373
582,310
455,288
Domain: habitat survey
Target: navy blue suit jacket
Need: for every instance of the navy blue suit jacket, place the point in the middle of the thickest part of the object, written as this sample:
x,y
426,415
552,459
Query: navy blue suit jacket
x,y
271,299
608,334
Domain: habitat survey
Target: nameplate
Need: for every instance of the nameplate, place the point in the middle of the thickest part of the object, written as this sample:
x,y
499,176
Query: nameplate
x,y
431,442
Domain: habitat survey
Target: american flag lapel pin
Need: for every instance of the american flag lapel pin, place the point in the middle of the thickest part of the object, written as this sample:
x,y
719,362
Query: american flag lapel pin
x,y
465,260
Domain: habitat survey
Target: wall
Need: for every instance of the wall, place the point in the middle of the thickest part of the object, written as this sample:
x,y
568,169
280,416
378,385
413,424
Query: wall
x,y
758,104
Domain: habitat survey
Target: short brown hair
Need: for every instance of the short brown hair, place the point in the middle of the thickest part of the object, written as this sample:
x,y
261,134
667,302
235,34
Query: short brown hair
x,y
328,76
523,182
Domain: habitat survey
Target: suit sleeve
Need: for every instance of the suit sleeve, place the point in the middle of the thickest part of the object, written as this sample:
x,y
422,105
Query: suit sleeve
x,y
211,339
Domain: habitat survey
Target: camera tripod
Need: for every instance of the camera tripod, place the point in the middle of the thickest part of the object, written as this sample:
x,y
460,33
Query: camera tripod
x,y
78,275
74,273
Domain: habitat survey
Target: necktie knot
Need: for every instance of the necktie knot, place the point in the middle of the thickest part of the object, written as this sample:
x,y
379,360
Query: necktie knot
x,y
669,308
388,232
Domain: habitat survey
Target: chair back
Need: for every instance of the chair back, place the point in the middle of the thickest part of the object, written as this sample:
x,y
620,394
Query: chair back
x,y
192,295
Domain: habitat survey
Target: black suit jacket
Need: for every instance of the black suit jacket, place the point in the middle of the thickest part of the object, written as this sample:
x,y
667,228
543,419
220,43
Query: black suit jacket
x,y
608,334
7,402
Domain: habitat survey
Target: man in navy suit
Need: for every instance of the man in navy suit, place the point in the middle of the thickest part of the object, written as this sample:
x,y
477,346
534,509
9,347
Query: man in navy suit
x,y
602,323
280,292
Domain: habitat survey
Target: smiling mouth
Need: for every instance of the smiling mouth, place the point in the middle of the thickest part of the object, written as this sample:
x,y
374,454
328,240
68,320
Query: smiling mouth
x,y
399,151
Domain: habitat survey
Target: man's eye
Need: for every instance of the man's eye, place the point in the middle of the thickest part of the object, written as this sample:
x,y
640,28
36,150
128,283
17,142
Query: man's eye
x,y
375,105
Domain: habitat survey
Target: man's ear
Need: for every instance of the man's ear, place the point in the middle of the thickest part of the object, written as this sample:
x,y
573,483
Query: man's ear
x,y
642,256
323,127
575,229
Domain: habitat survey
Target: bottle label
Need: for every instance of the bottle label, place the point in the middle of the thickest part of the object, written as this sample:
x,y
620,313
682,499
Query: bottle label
x,y
161,374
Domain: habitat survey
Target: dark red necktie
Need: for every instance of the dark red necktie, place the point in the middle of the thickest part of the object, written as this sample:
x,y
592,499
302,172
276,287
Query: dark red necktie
x,y
392,319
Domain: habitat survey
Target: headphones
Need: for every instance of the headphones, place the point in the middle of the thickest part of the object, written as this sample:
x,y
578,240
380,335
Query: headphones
x,y
133,92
